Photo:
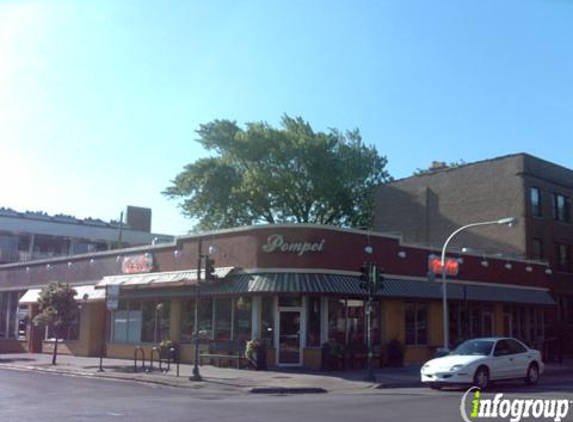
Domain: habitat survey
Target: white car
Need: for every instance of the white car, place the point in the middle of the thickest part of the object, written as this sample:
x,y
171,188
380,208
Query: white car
x,y
482,360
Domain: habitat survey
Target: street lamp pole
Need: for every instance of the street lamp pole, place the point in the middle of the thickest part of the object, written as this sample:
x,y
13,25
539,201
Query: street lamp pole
x,y
196,376
510,221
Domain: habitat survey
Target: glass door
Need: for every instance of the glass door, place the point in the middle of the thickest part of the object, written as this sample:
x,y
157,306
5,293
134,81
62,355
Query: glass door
x,y
289,350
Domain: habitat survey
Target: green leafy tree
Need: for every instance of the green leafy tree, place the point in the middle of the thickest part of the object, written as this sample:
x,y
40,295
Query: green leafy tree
x,y
436,166
291,174
58,310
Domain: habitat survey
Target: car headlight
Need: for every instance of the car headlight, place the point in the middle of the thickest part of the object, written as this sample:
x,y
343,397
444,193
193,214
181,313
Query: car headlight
x,y
456,368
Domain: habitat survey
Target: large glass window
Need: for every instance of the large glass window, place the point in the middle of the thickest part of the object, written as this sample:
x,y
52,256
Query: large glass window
x,y
187,321
9,313
535,198
337,320
127,322
313,322
560,208
223,318
206,318
147,321
242,319
267,320
355,323
563,252
537,248
416,323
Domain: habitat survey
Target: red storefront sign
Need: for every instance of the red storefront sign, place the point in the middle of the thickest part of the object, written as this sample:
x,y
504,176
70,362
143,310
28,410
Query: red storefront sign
x,y
137,264
451,265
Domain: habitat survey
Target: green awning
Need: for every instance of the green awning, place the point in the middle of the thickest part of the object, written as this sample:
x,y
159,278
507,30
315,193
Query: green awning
x,y
311,283
344,285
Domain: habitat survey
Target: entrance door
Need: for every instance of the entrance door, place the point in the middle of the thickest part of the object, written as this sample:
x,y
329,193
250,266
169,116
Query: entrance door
x,y
289,350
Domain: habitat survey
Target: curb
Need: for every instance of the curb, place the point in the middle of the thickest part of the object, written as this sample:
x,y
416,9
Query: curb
x,y
286,390
95,376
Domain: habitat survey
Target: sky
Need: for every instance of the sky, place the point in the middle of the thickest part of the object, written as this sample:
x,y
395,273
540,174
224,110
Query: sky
x,y
100,101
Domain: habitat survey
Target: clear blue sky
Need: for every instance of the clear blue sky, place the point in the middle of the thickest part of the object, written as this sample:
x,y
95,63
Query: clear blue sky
x,y
100,100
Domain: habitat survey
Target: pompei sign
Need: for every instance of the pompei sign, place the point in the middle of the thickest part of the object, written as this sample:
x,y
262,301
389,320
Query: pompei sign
x,y
277,243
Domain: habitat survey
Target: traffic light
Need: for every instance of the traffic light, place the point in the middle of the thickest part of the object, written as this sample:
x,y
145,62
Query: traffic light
x,y
365,276
379,280
209,269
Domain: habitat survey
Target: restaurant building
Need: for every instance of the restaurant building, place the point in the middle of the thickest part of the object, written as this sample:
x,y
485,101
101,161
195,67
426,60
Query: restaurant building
x,y
296,287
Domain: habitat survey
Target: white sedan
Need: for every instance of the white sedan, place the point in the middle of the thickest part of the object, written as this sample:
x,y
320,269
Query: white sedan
x,y
482,360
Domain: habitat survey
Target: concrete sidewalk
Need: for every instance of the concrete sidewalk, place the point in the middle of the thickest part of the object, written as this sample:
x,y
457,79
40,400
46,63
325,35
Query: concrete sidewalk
x,y
230,380
235,381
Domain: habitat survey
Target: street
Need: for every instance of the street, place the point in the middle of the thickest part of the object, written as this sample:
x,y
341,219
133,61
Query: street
x,y
31,397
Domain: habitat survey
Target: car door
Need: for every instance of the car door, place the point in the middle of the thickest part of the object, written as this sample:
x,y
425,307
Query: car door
x,y
521,356
501,361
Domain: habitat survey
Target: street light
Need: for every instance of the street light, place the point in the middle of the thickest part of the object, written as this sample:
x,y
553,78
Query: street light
x,y
510,221
196,376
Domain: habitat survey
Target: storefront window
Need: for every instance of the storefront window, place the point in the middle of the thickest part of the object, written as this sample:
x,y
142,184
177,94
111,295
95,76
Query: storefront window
x,y
267,320
3,314
223,318
127,322
187,321
242,319
71,334
313,322
416,323
148,322
206,318
337,320
355,322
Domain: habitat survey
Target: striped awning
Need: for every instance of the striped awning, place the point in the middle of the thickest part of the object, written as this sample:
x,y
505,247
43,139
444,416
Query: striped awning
x,y
86,293
310,283
158,279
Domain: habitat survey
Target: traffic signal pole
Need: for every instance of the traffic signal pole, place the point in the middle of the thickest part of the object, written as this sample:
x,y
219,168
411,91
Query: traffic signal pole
x,y
372,284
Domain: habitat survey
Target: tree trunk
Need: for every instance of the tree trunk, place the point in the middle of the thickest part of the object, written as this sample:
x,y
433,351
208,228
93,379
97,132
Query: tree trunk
x,y
55,351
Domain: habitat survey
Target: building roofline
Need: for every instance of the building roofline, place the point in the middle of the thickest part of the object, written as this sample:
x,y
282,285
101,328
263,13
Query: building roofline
x,y
487,160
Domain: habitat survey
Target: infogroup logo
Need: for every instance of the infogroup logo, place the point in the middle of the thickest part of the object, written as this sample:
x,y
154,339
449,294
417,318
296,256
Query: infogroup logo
x,y
513,410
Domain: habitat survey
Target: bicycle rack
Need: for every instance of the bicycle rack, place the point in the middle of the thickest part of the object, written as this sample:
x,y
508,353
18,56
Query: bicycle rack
x,y
172,354
154,350
168,363
137,349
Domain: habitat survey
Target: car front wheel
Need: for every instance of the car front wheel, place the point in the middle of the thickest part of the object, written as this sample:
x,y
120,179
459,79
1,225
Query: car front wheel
x,y
532,374
481,378
435,386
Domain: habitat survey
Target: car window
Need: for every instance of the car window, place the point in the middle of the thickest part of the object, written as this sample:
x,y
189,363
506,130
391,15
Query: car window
x,y
474,347
502,348
515,346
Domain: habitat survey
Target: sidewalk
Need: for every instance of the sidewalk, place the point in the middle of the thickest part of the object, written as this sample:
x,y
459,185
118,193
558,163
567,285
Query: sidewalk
x,y
236,381
230,380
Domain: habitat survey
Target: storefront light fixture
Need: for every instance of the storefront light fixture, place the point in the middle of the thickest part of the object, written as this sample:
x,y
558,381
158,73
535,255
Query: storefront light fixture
x,y
485,263
529,268
509,221
508,266
70,264
402,254
548,271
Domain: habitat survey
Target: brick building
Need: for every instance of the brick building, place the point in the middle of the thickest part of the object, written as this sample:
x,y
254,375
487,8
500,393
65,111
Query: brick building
x,y
427,208
296,287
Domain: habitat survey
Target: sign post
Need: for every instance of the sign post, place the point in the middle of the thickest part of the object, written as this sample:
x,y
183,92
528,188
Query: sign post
x,y
111,304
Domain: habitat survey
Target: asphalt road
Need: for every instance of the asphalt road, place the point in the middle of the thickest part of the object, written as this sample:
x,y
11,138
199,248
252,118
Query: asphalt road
x,y
32,396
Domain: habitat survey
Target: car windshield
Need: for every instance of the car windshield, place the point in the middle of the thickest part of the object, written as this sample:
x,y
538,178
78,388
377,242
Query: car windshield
x,y
474,347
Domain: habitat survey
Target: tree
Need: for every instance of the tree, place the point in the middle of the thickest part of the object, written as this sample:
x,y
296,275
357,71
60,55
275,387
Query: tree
x,y
58,310
290,174
438,165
